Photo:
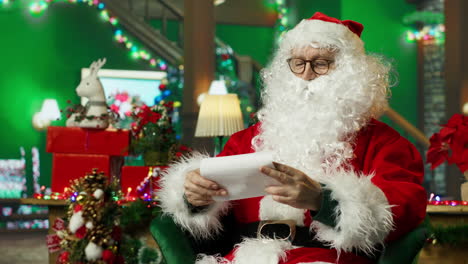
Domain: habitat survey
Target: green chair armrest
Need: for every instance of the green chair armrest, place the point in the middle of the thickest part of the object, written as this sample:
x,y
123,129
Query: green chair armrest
x,y
173,242
405,250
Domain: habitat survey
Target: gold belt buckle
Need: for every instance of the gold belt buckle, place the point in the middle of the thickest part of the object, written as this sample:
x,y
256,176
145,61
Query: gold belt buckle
x,y
290,223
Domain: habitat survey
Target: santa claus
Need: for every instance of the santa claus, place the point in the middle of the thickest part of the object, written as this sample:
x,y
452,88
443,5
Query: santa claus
x,y
349,183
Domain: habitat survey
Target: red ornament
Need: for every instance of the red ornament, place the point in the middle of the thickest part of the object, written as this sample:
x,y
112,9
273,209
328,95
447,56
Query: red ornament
x,y
63,257
108,256
38,196
77,208
81,232
225,56
162,87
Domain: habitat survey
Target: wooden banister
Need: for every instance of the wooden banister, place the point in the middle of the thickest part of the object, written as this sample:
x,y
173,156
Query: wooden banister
x,y
408,127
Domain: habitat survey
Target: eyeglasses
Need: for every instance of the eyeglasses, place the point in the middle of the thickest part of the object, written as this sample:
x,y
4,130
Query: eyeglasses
x,y
319,66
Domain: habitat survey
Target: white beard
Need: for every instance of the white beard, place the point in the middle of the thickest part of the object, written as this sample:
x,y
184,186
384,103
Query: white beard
x,y
311,125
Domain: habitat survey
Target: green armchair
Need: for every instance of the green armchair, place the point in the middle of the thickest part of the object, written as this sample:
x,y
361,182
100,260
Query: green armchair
x,y
177,249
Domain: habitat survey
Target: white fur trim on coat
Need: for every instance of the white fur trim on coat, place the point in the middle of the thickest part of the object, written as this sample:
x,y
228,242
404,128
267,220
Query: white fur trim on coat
x,y
363,215
200,225
323,33
273,210
252,250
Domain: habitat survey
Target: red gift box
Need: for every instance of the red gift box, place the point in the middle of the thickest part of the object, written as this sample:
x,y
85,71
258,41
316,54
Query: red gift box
x,y
137,176
67,167
87,141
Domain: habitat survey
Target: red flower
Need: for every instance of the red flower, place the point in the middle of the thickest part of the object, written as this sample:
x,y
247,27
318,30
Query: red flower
x,y
459,147
81,232
438,151
153,117
454,137
456,122
63,257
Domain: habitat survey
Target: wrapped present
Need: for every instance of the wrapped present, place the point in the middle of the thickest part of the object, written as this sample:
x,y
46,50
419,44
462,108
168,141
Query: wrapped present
x,y
140,181
77,140
67,167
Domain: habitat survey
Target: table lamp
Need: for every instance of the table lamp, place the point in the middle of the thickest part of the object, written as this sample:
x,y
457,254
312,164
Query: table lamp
x,y
219,116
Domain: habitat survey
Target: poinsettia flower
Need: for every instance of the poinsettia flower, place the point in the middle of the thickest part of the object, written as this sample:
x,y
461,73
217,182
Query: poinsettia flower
x,y
459,146
438,151
454,123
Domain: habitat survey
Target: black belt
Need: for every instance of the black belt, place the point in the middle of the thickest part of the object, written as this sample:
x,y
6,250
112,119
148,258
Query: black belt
x,y
280,229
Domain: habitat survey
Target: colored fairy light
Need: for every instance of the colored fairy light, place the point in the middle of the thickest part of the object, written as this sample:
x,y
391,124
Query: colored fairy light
x,y
113,21
38,7
101,5
105,15
428,32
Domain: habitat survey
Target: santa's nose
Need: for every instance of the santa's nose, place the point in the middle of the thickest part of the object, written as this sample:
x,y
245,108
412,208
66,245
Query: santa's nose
x,y
308,73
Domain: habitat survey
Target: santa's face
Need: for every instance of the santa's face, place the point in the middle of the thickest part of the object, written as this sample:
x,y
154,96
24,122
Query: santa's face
x,y
309,63
313,109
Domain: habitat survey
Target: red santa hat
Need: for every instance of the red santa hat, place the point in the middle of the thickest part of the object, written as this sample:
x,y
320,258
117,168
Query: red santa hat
x,y
354,26
325,30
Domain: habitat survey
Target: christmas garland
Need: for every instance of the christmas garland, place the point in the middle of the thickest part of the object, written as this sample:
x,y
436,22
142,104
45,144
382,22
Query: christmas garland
x,y
79,113
449,235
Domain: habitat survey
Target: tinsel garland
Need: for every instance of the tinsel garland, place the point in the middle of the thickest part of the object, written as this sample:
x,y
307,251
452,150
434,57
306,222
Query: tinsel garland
x,y
449,235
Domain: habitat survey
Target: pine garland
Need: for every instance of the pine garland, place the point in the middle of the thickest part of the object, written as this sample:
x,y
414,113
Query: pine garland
x,y
450,235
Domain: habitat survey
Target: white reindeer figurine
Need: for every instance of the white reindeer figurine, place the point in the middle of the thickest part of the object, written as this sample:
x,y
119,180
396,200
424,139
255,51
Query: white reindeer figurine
x,y
91,88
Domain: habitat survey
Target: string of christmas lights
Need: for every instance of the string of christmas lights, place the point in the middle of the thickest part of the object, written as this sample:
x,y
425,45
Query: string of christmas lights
x,y
431,32
282,23
429,26
37,8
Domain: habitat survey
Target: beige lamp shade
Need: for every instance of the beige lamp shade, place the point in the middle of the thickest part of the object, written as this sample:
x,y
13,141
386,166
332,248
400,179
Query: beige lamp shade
x,y
220,115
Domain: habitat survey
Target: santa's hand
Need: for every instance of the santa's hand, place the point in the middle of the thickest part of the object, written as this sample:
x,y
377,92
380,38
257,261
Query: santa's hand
x,y
199,191
296,189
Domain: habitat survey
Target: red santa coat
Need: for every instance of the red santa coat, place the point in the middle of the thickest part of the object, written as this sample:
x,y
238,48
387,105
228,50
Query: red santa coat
x,y
378,202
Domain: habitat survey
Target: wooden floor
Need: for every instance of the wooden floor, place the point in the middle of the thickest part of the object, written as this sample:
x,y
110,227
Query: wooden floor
x,y
23,248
